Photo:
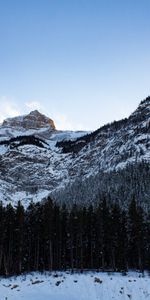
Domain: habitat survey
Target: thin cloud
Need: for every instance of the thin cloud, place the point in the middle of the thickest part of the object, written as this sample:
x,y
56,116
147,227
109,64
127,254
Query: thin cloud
x,y
8,108
62,122
32,105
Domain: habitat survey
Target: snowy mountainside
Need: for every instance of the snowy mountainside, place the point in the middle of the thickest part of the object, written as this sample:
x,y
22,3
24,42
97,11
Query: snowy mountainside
x,y
65,286
30,163
36,159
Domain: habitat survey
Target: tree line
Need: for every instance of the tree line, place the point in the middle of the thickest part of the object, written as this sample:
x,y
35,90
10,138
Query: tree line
x,y
46,236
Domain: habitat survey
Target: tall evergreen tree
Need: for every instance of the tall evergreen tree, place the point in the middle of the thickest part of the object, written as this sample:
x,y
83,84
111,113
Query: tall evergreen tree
x,y
19,238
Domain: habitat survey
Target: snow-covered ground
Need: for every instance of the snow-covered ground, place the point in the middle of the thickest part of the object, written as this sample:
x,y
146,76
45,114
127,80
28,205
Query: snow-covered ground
x,y
64,286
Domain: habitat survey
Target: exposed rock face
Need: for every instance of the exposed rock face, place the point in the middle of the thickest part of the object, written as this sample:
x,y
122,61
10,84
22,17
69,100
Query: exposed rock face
x,y
33,120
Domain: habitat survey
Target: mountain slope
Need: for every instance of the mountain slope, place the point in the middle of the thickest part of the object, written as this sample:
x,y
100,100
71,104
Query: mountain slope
x,y
36,159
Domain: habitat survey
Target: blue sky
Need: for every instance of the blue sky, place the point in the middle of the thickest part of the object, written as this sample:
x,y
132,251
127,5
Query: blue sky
x,y
82,62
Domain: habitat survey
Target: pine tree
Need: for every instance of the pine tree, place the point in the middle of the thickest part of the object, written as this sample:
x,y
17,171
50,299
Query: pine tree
x,y
48,227
19,237
64,221
2,237
9,245
136,236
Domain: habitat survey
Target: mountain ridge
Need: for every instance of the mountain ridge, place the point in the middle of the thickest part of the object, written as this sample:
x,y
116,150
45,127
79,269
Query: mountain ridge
x,y
38,161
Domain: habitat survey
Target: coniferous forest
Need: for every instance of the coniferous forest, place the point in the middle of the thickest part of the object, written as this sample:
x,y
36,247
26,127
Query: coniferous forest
x,y
48,237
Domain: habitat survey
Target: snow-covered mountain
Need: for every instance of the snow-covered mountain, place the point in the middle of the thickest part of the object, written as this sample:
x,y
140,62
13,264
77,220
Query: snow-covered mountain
x,y
30,163
36,158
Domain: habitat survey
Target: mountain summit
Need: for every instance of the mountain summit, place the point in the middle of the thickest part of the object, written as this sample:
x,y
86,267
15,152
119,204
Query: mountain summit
x,y
34,120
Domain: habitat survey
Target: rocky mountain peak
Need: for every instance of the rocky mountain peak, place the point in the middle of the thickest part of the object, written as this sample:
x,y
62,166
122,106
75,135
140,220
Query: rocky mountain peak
x,y
34,120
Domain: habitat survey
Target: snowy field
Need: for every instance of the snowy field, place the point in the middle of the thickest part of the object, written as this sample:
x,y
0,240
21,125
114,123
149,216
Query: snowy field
x,y
63,286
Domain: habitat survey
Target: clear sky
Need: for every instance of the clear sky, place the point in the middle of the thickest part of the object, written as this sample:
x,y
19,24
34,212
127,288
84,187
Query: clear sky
x,y
82,62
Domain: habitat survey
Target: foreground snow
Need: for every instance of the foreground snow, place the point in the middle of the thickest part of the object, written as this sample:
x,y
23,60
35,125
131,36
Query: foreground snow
x,y
63,286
